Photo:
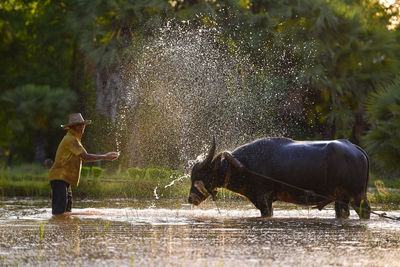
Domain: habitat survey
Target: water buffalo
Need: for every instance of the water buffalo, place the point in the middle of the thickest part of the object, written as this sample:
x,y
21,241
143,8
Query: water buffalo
x,y
311,173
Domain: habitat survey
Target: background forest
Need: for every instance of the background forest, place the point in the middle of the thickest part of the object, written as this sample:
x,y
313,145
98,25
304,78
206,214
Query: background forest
x,y
160,78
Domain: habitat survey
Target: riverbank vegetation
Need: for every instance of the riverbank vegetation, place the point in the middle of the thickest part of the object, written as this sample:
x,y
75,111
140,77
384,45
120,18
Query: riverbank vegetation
x,y
152,183
32,180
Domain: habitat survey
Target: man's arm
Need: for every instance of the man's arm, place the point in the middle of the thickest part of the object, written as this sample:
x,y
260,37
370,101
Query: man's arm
x,y
95,157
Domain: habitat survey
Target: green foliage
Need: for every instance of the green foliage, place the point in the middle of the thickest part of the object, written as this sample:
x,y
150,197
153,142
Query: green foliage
x,y
97,171
25,188
382,141
383,194
157,174
35,44
41,231
153,174
35,110
105,27
36,47
85,172
350,57
388,182
325,58
5,133
36,107
136,173
32,180
140,183
25,172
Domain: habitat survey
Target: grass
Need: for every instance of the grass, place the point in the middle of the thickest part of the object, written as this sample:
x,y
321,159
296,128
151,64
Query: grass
x,y
41,231
107,225
32,180
388,182
384,191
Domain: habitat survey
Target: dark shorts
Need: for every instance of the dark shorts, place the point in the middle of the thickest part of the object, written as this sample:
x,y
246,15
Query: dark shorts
x,y
61,200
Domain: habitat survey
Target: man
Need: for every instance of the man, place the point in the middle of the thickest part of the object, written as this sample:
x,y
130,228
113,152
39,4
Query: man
x,y
67,166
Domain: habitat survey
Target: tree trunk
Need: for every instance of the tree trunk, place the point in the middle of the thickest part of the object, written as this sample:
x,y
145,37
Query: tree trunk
x,y
358,126
330,126
40,151
108,84
77,78
10,155
330,129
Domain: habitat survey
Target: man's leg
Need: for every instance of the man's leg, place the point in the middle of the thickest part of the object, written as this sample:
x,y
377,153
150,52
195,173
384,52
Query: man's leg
x,y
59,196
69,198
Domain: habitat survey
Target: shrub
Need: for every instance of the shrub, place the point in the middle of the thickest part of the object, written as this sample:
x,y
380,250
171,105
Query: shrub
x,y
136,173
85,172
383,139
156,174
97,172
24,188
29,169
144,184
153,174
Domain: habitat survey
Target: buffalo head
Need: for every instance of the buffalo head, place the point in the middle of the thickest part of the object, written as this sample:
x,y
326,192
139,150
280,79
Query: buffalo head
x,y
203,179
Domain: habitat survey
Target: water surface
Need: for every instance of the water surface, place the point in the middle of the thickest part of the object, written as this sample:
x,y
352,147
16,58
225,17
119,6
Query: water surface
x,y
160,232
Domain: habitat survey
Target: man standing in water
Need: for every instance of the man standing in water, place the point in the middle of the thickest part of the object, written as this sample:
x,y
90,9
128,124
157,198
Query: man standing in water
x,y
67,166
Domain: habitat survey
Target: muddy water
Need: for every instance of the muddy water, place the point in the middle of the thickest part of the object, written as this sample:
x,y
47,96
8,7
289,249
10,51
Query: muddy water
x,y
167,233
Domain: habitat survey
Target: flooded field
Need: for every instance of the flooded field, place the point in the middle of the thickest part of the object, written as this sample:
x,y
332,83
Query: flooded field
x,y
170,233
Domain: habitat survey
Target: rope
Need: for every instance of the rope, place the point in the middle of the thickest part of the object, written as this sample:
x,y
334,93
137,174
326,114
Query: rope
x,y
382,215
215,202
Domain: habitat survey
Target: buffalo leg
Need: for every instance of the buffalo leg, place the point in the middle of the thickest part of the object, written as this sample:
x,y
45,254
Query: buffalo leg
x,y
342,209
264,204
362,208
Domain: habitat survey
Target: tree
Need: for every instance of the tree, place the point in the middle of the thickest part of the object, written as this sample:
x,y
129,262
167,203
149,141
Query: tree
x,y
103,29
354,53
107,29
382,141
6,137
36,46
34,110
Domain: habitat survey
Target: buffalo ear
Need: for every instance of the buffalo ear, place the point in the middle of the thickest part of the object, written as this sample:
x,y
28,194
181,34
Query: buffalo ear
x,y
217,162
210,154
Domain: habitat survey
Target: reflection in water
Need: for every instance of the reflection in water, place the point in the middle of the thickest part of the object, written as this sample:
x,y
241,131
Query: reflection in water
x,y
133,234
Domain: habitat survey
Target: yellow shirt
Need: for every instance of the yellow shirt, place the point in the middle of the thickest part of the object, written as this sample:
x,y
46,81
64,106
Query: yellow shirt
x,y
68,163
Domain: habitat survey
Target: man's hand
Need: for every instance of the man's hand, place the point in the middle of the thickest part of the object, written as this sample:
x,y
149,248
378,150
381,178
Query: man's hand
x,y
111,155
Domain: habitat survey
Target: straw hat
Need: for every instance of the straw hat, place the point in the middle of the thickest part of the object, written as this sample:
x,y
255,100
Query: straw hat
x,y
75,119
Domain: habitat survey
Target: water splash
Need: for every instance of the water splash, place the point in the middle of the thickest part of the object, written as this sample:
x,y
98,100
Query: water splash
x,y
155,193
188,83
176,180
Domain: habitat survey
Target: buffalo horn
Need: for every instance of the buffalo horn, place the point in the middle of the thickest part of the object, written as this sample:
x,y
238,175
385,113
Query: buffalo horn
x,y
235,162
210,154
